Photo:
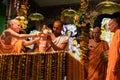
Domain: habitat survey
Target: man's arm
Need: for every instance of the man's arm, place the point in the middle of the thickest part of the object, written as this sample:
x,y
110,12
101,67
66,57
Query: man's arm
x,y
60,47
19,36
55,47
27,43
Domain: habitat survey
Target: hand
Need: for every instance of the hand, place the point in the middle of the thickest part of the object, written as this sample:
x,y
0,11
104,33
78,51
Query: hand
x,y
115,72
49,40
104,56
33,35
37,40
39,34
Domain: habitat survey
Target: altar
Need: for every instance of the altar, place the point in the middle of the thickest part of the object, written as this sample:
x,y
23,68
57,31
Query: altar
x,y
40,66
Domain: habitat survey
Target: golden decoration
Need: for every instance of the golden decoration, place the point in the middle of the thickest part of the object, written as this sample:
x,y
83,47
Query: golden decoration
x,y
40,66
67,15
107,7
36,17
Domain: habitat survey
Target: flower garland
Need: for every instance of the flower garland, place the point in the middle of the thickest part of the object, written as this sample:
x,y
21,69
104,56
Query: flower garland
x,y
21,9
46,30
82,21
69,29
106,34
74,47
23,21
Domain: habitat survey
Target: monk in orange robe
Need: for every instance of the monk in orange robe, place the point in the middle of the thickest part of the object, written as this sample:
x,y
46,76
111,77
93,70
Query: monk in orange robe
x,y
15,48
97,66
11,41
113,70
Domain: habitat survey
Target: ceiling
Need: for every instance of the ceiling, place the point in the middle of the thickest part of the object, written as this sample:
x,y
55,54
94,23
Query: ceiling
x,y
92,4
43,3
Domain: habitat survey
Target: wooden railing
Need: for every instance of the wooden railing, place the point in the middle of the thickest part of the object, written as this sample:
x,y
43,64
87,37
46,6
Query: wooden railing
x,y
40,66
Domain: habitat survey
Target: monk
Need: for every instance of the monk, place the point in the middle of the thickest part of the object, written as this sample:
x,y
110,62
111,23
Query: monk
x,y
57,41
11,41
113,70
97,66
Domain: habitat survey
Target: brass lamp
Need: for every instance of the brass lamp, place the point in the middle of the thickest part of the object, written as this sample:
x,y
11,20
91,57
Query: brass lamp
x,y
36,17
107,7
67,15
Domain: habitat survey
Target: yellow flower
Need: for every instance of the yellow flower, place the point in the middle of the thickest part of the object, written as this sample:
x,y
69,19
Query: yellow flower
x,y
23,21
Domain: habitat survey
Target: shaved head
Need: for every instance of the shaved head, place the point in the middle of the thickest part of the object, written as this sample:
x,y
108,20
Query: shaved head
x,y
97,29
11,22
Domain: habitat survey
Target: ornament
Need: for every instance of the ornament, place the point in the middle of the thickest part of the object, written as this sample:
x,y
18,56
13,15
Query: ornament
x,y
36,17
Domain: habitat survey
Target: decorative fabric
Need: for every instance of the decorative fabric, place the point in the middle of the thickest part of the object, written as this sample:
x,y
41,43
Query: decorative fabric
x,y
40,66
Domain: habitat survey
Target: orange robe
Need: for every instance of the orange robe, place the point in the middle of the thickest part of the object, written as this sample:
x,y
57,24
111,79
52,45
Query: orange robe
x,y
7,49
114,58
96,68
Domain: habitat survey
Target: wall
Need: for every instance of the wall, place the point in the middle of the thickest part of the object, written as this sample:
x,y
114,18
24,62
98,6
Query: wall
x,y
2,17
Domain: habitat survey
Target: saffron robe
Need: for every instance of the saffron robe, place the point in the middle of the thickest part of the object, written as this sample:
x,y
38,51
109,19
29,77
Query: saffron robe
x,y
96,68
7,49
114,58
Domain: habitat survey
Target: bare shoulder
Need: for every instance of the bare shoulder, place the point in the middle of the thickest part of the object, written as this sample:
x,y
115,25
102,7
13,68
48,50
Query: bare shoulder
x,y
6,33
